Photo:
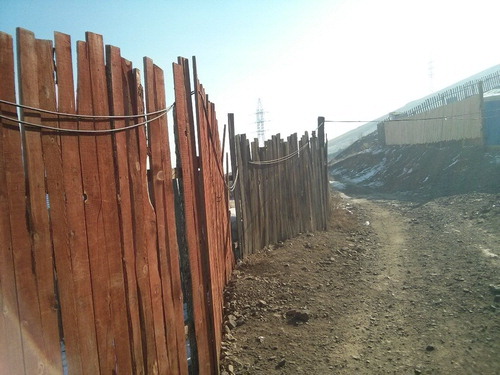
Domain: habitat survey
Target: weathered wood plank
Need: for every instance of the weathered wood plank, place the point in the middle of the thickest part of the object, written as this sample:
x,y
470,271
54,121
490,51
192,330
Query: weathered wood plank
x,y
11,349
169,357
38,217
235,174
118,71
93,218
137,159
109,205
171,259
51,145
183,121
75,212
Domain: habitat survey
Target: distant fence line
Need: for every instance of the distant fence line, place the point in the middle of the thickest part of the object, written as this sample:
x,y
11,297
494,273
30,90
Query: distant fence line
x,y
281,187
454,94
457,121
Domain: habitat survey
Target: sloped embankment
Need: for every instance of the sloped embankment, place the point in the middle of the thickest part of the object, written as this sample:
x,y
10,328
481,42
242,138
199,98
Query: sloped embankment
x,y
416,171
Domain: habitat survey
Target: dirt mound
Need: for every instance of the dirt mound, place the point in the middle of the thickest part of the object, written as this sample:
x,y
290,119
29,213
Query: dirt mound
x,y
416,171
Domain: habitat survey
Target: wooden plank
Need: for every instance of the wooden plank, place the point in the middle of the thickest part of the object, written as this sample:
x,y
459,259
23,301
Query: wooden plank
x,y
323,173
290,187
215,206
207,217
254,192
27,295
307,177
11,350
243,187
161,172
286,192
235,172
296,199
172,256
93,218
38,217
193,236
51,145
118,71
137,159
204,187
265,194
109,205
75,212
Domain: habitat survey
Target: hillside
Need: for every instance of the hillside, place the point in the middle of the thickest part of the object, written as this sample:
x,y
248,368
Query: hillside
x,y
416,171
342,142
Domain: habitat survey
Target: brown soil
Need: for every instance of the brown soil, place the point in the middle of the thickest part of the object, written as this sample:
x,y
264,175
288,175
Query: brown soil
x,y
391,288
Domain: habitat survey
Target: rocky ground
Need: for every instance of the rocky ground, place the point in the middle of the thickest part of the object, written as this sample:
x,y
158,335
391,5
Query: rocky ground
x,y
392,287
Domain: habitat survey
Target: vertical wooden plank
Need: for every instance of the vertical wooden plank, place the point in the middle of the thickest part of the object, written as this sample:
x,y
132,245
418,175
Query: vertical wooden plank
x,y
51,145
243,165
93,218
296,199
144,232
75,214
216,208
290,186
38,217
119,94
270,198
207,201
11,349
109,205
254,191
204,189
307,176
172,256
166,355
235,172
265,194
286,191
193,235
322,173
163,195
27,295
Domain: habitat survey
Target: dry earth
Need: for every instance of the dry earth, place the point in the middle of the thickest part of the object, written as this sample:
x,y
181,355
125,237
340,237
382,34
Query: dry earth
x,y
391,288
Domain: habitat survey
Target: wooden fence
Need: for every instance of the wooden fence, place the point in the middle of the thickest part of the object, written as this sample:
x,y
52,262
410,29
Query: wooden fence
x,y
458,120
458,93
89,258
281,187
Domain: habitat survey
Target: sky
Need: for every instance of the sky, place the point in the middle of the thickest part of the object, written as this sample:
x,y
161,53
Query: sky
x,y
352,60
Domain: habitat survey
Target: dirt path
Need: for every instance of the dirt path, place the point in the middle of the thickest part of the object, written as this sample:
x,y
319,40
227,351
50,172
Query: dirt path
x,y
393,287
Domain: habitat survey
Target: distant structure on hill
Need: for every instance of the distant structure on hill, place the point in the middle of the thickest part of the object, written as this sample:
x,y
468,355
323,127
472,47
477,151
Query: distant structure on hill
x,y
467,110
261,132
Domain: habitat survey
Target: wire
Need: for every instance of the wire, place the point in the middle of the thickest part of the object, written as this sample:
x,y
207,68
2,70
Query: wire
x,y
233,186
82,131
85,117
286,157
281,159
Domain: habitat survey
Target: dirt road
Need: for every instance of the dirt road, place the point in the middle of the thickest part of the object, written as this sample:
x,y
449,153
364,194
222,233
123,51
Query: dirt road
x,y
392,288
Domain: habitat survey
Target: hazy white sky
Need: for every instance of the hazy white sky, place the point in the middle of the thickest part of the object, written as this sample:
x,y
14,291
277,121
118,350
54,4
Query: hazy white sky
x,y
342,59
